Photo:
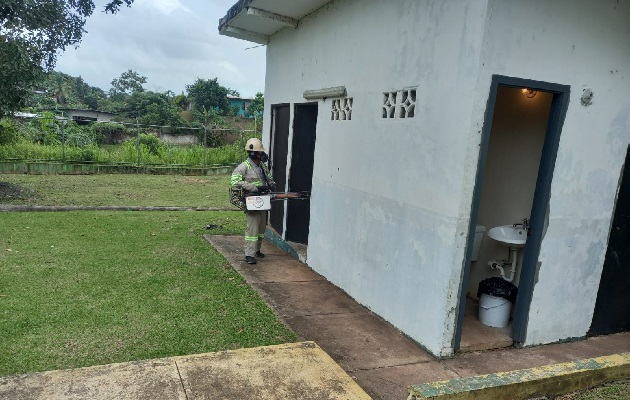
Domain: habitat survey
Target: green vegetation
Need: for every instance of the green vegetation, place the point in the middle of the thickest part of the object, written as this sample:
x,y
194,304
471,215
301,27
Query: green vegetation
x,y
33,33
120,190
42,140
205,101
611,391
93,287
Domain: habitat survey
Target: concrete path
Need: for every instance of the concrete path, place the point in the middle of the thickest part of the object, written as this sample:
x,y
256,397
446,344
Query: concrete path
x,y
288,371
381,360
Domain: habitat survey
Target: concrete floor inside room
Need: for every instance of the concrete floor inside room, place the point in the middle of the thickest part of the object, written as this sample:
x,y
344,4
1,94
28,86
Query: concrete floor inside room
x,y
477,336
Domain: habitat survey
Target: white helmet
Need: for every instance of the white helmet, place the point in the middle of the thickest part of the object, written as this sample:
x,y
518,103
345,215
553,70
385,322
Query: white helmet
x,y
254,144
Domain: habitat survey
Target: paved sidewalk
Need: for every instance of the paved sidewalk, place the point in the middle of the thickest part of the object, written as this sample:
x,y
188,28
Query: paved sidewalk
x,y
288,371
380,359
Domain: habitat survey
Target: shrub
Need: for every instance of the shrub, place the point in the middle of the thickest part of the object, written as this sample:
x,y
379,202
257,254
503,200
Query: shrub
x,y
152,142
79,135
9,133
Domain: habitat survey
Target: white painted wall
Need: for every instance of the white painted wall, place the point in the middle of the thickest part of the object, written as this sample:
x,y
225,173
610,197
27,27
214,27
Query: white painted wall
x,y
386,194
391,199
581,43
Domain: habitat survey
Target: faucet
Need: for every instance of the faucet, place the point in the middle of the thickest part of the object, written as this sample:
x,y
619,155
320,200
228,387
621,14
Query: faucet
x,y
524,224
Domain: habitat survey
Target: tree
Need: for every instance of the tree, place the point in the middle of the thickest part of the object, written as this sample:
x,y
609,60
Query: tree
x,y
128,83
17,73
207,94
257,106
31,34
182,102
153,109
57,88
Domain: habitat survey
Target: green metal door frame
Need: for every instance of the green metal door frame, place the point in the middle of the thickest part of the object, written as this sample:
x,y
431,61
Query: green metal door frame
x,y
559,106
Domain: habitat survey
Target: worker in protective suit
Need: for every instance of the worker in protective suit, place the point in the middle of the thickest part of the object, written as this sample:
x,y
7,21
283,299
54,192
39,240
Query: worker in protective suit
x,y
252,175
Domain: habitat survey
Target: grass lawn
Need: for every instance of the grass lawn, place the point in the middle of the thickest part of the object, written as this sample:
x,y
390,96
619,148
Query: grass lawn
x,y
611,391
120,190
94,287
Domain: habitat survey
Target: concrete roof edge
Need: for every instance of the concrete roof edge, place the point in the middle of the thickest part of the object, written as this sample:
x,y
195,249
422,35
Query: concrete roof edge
x,y
233,12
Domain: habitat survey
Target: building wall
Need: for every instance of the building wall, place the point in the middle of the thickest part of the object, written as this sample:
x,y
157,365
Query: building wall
x,y
386,224
100,116
391,199
583,44
242,104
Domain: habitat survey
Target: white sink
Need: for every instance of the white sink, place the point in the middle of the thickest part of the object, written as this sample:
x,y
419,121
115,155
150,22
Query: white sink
x,y
514,237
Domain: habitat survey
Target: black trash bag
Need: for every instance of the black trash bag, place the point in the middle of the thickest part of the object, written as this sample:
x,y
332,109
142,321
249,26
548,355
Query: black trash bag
x,y
498,287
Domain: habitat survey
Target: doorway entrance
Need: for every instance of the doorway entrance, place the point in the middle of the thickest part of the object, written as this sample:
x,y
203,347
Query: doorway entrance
x,y
301,172
517,156
612,308
280,114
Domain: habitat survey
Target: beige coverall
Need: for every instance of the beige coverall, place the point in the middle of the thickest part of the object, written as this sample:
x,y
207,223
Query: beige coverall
x,y
246,176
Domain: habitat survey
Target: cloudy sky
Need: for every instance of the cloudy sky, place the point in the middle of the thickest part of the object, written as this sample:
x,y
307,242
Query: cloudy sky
x,y
171,42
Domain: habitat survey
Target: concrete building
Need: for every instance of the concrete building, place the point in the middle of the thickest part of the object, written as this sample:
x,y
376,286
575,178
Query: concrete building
x,y
85,116
242,103
413,122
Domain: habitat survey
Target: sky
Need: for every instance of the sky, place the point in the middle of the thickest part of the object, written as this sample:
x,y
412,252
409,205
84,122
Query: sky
x,y
170,42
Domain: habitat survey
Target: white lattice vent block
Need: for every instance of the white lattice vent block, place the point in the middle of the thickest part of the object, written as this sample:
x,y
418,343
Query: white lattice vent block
x,y
341,109
399,104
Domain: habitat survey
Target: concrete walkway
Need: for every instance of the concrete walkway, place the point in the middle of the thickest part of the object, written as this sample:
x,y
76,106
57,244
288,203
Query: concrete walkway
x,y
288,371
380,359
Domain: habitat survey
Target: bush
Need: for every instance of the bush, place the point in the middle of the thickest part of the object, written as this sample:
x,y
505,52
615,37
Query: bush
x,y
152,142
9,133
79,135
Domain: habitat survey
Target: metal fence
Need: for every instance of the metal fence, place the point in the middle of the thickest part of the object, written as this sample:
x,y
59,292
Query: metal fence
x,y
121,143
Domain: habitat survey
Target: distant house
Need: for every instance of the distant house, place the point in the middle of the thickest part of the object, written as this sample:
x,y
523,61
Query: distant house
x,y
27,115
85,116
417,123
242,103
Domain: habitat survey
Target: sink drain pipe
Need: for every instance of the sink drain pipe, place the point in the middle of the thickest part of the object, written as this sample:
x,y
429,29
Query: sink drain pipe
x,y
501,266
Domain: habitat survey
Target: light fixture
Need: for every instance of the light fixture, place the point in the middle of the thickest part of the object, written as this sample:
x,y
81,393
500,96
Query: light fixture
x,y
337,91
530,93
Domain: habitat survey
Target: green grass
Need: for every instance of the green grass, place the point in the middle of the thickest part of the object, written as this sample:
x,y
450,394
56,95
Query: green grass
x,y
193,155
94,287
121,190
611,391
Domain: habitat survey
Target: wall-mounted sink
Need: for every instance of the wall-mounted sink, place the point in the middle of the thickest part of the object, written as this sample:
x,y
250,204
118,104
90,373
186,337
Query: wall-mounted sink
x,y
509,235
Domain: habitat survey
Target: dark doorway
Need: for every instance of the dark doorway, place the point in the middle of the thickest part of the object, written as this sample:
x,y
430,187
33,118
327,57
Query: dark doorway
x,y
301,172
612,308
278,157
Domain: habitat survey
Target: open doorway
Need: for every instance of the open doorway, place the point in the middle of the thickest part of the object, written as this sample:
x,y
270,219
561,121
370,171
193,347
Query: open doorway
x,y
517,157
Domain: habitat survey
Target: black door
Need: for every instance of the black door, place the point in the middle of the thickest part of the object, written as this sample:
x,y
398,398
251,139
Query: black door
x,y
278,157
612,309
301,173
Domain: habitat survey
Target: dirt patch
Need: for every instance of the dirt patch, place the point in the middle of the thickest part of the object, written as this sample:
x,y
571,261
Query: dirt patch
x,y
191,180
10,192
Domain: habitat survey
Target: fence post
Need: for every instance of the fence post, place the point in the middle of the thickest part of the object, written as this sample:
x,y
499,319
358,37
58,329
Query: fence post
x,y
63,142
138,142
242,143
205,146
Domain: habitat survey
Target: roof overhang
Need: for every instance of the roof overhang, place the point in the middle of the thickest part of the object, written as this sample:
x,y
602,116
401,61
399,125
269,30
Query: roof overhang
x,y
257,20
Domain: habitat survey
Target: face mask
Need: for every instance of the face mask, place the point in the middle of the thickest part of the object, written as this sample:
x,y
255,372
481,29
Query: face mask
x,y
264,157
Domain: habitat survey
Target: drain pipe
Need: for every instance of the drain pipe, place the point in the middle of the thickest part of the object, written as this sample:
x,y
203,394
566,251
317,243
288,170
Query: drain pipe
x,y
501,267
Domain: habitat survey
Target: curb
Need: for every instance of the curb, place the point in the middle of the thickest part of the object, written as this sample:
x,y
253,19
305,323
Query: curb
x,y
547,380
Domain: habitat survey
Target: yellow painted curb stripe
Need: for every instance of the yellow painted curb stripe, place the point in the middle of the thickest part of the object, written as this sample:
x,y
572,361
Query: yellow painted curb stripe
x,y
522,384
